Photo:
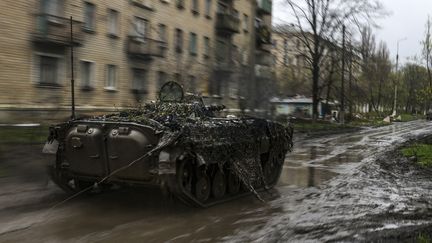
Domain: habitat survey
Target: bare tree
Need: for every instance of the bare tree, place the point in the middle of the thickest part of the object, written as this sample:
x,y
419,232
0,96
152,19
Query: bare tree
x,y
318,21
381,71
427,49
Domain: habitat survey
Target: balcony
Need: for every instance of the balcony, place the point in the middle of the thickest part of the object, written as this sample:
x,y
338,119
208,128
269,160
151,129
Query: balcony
x,y
145,48
263,34
56,30
224,67
263,72
264,6
227,23
264,58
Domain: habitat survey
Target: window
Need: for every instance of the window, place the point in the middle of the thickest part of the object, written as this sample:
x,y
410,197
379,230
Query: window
x,y
208,7
193,44
89,16
245,58
48,70
180,3
52,7
111,78
162,78
140,27
258,22
162,32
112,22
235,54
178,40
191,85
245,22
298,61
222,8
206,47
195,6
87,74
221,51
216,87
232,89
236,13
139,79
286,59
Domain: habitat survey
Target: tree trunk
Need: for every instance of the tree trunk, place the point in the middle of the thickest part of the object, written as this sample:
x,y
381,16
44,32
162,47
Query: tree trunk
x,y
429,73
315,80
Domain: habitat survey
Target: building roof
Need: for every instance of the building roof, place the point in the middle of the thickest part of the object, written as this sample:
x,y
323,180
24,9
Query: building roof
x,y
292,100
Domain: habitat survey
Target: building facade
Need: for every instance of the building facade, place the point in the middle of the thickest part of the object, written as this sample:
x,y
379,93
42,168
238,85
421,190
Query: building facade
x,y
123,52
293,62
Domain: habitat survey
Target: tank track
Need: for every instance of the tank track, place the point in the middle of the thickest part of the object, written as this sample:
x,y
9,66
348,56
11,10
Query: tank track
x,y
189,187
198,186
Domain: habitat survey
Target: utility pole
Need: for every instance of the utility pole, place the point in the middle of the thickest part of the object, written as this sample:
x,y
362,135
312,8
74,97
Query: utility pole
x,y
72,69
342,104
397,79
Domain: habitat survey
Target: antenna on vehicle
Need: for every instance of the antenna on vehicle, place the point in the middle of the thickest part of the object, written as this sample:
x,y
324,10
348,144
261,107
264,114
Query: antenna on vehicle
x,y
72,69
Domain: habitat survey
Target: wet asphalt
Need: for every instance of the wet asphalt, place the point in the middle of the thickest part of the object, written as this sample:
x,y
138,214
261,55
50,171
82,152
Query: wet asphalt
x,y
337,187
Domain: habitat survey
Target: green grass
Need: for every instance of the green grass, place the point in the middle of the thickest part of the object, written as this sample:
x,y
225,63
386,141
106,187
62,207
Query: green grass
x,y
410,117
37,134
422,238
422,152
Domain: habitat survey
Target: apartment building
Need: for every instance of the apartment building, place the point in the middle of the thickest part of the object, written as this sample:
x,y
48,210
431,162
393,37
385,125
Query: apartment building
x,y
265,85
289,52
124,50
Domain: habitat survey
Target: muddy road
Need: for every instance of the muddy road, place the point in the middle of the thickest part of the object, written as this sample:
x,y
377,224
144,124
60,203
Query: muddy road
x,y
350,187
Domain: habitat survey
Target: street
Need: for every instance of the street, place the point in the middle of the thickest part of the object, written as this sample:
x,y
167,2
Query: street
x,y
337,187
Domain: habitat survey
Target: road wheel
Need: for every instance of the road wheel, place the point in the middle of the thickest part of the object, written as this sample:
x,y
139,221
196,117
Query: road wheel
x,y
105,187
202,188
219,185
184,175
86,186
233,183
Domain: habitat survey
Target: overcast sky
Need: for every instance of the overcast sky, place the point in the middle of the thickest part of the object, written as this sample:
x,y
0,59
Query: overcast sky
x,y
407,19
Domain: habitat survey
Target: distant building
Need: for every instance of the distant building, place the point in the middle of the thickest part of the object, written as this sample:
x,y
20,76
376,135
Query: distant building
x,y
299,106
291,58
293,70
125,50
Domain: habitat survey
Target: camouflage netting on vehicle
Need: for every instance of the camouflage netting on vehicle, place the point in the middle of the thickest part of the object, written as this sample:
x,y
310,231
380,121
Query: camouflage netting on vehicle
x,y
228,142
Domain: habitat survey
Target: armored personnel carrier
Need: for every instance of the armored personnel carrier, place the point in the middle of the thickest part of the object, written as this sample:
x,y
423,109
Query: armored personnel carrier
x,y
176,143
